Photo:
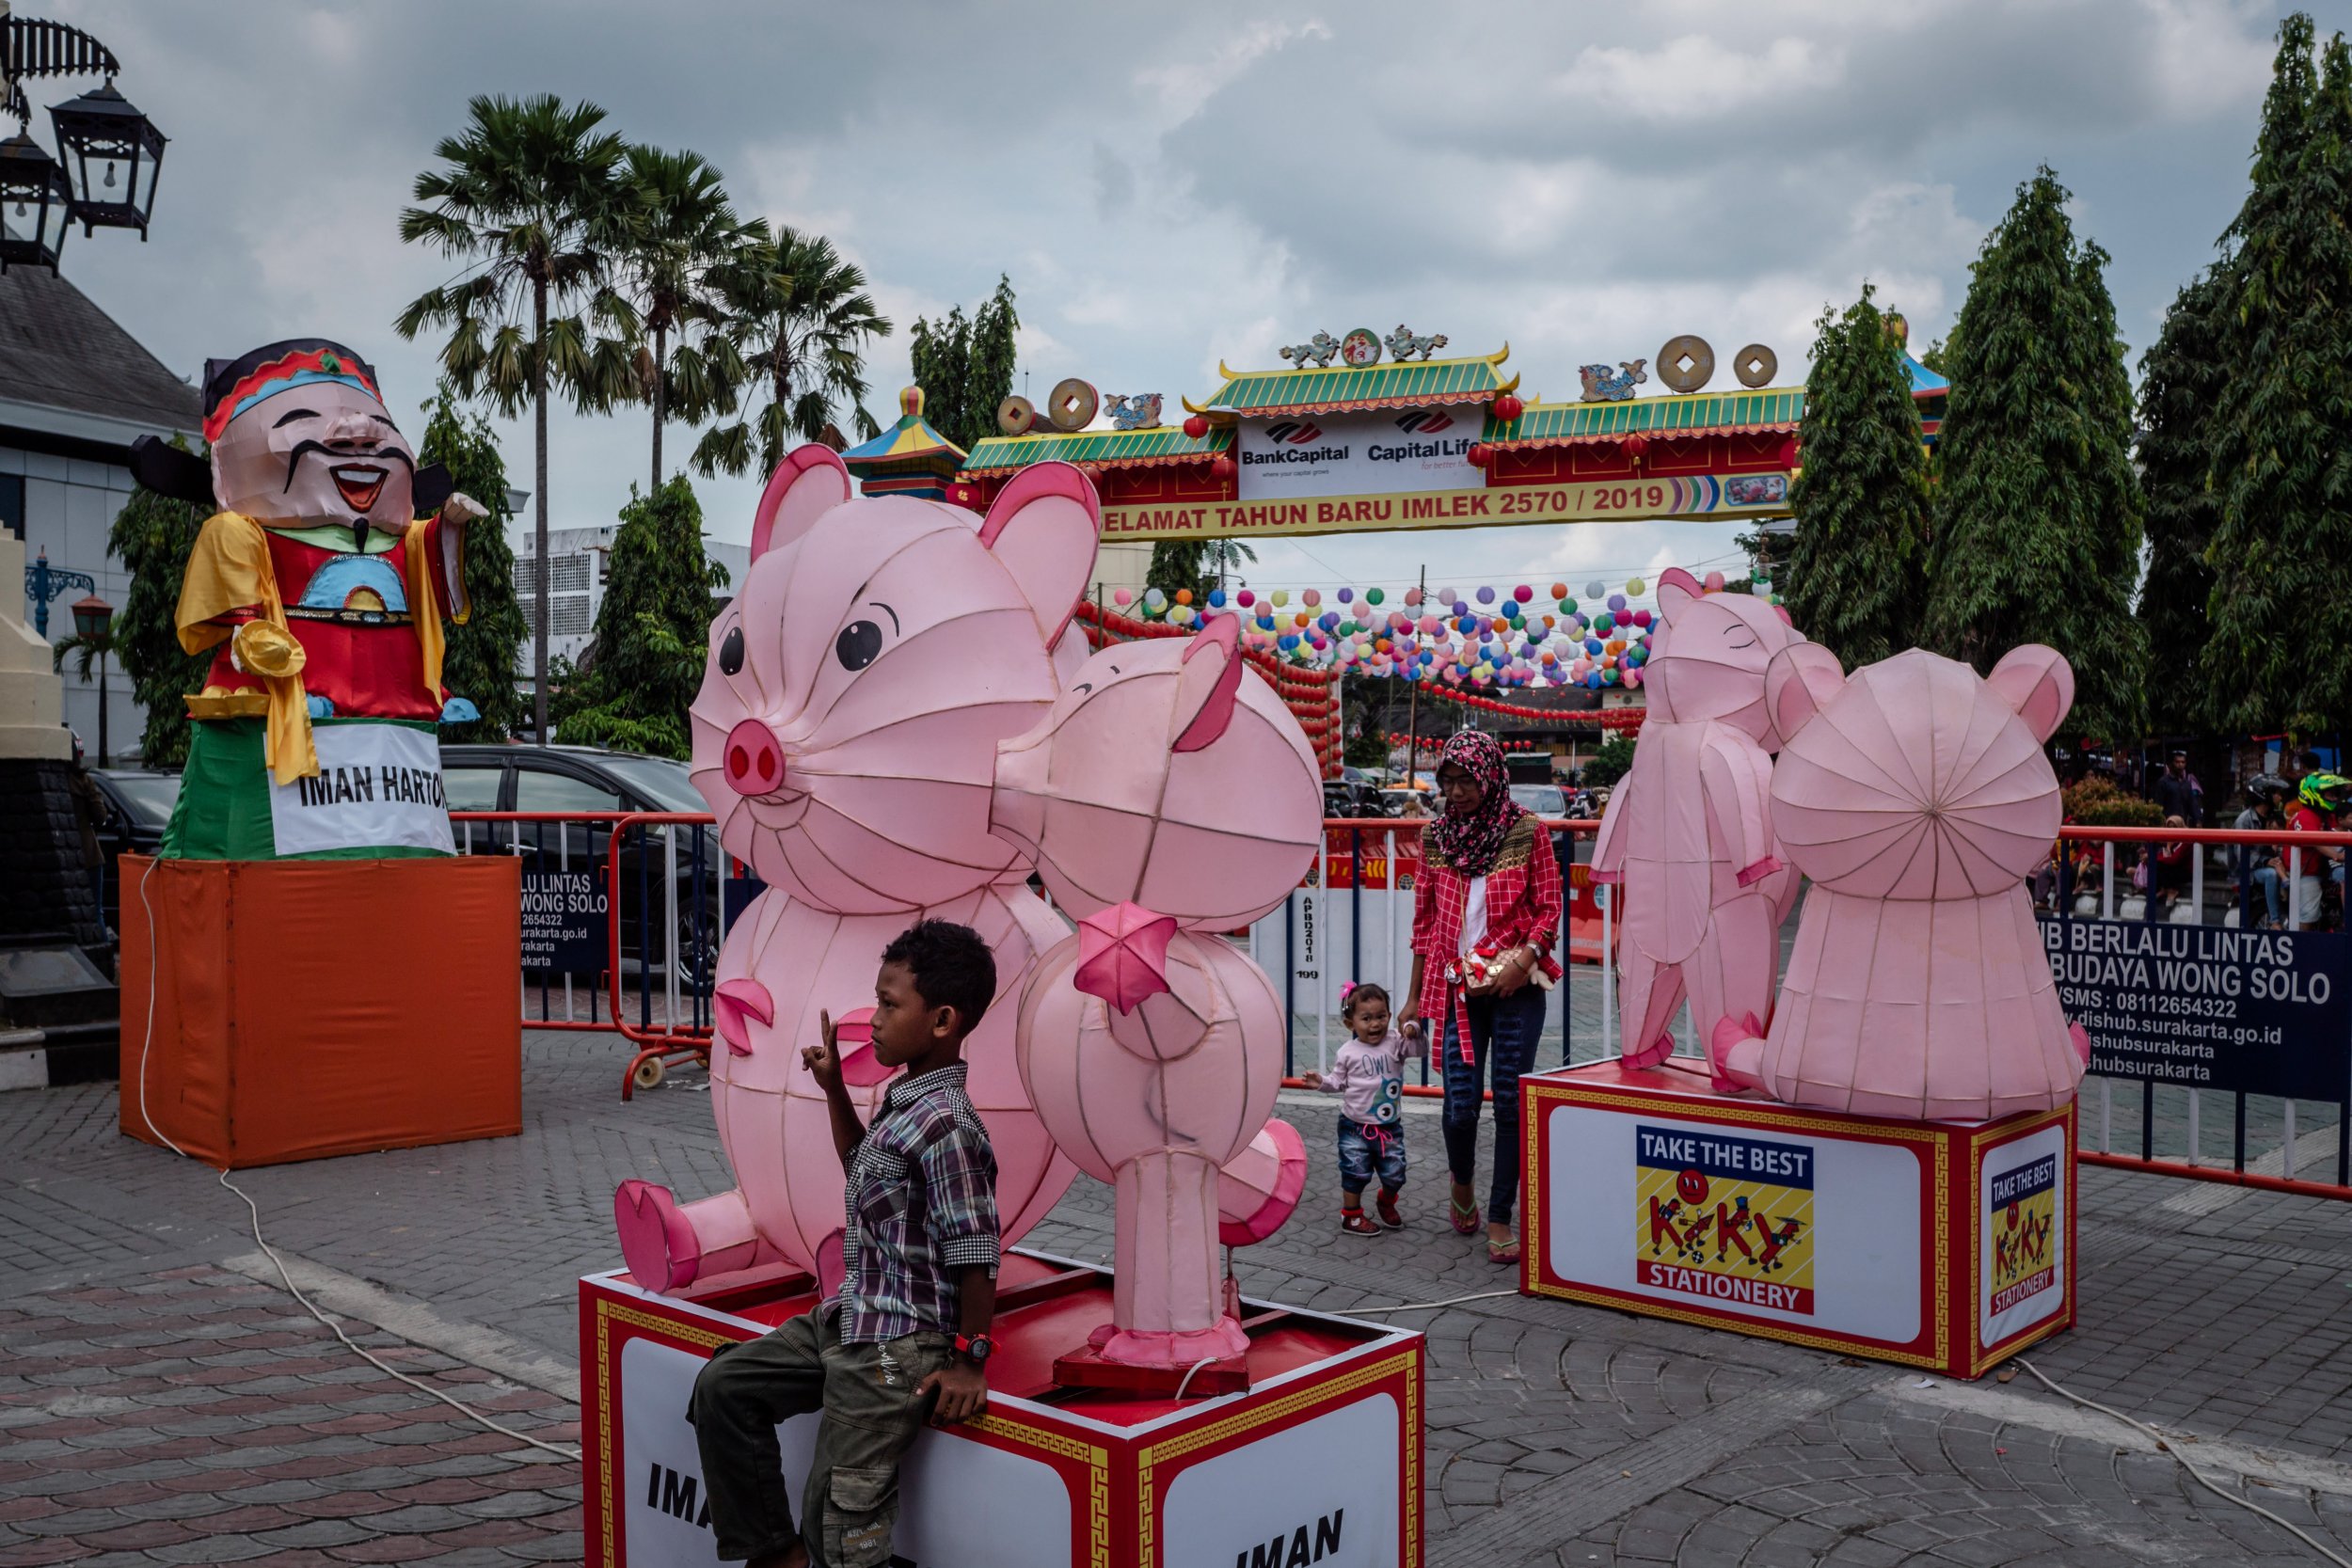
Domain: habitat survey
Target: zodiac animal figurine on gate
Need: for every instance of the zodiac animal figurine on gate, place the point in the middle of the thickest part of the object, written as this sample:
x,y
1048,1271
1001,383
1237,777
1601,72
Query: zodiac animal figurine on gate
x,y
1140,412
1918,797
1603,385
1689,831
846,738
1169,797
1319,348
1403,345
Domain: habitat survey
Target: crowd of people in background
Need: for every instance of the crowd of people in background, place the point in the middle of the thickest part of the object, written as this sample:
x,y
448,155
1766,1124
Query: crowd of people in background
x,y
2273,885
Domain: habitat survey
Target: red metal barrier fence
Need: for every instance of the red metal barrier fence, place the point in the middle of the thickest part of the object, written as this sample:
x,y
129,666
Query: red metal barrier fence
x,y
2196,1011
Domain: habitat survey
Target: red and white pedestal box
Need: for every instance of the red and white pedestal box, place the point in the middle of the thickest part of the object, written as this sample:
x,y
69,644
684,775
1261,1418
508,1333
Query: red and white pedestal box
x,y
1319,1461
1941,1244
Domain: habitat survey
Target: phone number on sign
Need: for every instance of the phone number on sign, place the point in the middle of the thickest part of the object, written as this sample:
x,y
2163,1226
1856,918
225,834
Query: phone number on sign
x,y
2076,998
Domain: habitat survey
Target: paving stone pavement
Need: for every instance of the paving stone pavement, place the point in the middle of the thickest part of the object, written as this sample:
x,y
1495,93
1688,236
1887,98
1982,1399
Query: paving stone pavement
x,y
158,1403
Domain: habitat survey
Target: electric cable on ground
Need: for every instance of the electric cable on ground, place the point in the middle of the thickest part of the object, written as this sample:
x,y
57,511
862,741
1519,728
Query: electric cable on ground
x,y
147,1042
2165,1445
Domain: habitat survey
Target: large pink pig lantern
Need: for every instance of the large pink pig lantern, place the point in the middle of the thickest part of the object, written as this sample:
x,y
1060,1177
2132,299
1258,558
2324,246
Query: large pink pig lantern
x,y
1168,798
1689,831
846,738
1916,797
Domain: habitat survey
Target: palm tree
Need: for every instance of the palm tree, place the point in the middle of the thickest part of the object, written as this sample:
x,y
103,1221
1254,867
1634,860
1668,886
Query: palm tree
x,y
802,319
86,647
527,197
678,235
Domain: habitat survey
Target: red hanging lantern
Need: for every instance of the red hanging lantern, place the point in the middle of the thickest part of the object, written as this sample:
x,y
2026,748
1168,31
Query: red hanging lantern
x,y
1481,454
1197,427
1221,467
1509,407
1635,446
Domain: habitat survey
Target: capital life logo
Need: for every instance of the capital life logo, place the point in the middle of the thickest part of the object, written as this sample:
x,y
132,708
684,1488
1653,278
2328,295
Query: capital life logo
x,y
1425,422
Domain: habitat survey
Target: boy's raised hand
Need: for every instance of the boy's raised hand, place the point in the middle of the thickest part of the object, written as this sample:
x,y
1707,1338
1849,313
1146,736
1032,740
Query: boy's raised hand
x,y
823,1061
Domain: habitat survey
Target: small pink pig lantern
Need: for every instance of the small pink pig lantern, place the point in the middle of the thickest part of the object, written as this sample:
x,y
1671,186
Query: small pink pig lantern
x,y
1689,831
846,738
1916,797
1168,798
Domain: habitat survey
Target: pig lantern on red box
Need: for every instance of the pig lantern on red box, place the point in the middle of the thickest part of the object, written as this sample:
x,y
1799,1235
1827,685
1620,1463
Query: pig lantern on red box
x,y
846,737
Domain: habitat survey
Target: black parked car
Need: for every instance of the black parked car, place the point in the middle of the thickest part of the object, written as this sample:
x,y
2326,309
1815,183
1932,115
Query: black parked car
x,y
134,805
585,779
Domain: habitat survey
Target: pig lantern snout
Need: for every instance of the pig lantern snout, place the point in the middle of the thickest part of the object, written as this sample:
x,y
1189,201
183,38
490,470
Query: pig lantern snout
x,y
755,759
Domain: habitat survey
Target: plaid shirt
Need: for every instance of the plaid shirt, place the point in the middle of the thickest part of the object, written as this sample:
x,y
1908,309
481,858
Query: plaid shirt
x,y
1523,911
922,1198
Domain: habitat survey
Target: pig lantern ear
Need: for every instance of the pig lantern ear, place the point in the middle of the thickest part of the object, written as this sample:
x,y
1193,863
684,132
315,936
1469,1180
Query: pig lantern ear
x,y
1676,588
1801,679
2038,683
1210,681
1043,528
809,482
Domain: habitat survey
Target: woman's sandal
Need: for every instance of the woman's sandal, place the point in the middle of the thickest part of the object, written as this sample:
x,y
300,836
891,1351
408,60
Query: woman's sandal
x,y
1503,1252
1464,1217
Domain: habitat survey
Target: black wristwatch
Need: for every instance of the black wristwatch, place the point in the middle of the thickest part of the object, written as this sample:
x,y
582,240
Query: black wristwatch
x,y
975,1348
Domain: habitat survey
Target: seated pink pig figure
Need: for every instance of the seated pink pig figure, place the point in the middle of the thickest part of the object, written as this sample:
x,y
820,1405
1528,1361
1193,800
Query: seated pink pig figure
x,y
1690,830
1169,797
846,738
1916,797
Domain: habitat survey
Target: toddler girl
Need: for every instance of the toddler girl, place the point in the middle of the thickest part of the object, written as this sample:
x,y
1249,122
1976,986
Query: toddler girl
x,y
1369,1076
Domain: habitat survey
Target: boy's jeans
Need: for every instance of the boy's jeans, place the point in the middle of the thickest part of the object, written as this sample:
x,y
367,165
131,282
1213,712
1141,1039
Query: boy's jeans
x,y
871,1413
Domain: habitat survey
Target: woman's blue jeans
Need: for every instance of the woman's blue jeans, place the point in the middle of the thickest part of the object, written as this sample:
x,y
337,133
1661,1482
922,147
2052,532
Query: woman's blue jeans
x,y
1504,1035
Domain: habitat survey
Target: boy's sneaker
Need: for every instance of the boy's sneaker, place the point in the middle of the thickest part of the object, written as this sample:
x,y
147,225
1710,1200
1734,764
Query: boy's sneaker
x,y
1352,1222
1388,1216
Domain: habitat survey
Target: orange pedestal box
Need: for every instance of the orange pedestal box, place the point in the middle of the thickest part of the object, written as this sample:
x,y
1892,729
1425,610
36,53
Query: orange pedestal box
x,y
1942,1244
1319,1461
304,1008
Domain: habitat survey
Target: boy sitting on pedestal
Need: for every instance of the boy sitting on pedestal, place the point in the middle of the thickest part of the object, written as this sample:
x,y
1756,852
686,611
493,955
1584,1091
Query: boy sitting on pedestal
x,y
905,1339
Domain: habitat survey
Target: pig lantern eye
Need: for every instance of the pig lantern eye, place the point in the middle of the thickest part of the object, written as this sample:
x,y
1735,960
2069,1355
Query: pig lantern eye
x,y
859,643
731,652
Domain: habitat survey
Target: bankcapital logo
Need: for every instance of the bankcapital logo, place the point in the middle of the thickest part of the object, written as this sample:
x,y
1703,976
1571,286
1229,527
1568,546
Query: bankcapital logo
x,y
1295,432
1428,422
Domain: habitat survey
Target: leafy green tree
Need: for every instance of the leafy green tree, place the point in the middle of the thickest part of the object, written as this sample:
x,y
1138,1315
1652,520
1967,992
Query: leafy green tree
x,y
152,536
965,367
1177,564
526,198
679,235
646,663
1854,576
2181,379
2281,422
2036,521
801,320
1612,761
478,663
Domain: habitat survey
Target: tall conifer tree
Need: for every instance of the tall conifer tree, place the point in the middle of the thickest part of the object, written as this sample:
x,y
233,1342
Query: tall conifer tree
x,y
2280,648
2037,523
2181,380
652,631
1853,578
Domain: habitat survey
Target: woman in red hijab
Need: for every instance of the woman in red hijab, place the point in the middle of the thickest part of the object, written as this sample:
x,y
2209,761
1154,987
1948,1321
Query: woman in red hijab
x,y
1486,917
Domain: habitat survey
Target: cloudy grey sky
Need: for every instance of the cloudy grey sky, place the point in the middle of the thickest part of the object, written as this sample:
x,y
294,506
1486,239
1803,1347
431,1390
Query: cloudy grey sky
x,y
1173,184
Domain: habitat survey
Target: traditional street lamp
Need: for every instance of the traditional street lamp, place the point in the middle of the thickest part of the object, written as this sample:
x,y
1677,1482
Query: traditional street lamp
x,y
94,621
35,201
112,153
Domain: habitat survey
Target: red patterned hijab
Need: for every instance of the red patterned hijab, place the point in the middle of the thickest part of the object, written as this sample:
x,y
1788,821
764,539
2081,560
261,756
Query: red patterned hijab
x,y
1469,841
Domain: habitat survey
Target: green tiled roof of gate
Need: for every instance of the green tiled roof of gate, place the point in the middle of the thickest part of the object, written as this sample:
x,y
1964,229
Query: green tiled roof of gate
x,y
994,453
1708,413
1400,385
